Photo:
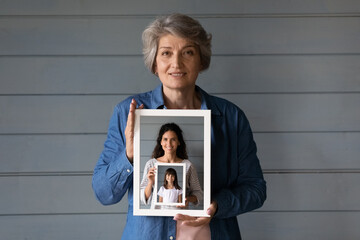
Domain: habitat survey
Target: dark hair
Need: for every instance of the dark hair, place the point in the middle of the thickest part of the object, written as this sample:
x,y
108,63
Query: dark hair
x,y
181,149
171,171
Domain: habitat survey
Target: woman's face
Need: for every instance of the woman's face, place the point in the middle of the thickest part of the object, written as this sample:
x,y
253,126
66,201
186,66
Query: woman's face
x,y
177,63
170,142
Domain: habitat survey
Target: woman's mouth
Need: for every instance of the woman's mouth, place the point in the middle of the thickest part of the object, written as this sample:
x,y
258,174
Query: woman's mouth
x,y
177,74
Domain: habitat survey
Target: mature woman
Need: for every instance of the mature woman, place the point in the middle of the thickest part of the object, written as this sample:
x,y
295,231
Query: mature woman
x,y
177,49
170,148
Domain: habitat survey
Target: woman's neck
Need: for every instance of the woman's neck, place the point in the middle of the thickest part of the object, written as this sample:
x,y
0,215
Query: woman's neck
x,y
181,99
169,158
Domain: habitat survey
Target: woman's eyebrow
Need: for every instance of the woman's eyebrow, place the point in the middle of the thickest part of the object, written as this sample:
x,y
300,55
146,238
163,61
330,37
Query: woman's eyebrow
x,y
190,45
186,46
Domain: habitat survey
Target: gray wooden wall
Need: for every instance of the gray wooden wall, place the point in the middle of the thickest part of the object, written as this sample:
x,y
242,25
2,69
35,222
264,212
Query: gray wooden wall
x,y
292,66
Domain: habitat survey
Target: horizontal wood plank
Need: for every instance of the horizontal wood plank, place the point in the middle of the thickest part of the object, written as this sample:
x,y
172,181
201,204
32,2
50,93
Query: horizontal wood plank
x,y
267,112
277,151
227,74
300,112
73,194
60,227
309,151
113,7
255,225
96,36
56,114
52,194
300,225
74,75
312,192
50,153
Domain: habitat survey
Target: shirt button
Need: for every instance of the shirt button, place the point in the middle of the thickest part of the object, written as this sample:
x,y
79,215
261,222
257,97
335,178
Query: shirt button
x,y
128,170
171,237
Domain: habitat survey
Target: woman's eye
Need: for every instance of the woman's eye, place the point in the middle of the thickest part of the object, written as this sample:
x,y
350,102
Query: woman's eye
x,y
165,53
189,52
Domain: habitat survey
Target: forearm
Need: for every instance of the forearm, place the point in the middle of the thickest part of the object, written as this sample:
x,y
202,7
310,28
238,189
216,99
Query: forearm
x,y
112,179
148,191
192,198
195,190
244,198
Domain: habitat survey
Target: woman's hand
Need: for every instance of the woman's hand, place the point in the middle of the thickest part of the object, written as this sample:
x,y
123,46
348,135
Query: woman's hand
x,y
129,130
149,186
189,199
151,176
197,221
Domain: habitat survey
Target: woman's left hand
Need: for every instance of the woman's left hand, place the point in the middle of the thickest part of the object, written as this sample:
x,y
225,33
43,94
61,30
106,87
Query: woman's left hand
x,y
197,221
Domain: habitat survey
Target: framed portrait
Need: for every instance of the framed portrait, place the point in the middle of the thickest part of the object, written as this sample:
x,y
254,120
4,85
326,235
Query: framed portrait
x,y
172,151
169,197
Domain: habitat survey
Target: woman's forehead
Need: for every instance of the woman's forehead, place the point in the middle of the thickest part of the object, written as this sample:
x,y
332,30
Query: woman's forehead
x,y
170,133
169,40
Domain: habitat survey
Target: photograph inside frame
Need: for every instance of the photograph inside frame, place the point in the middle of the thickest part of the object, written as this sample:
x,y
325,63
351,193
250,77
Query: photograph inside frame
x,y
170,186
163,138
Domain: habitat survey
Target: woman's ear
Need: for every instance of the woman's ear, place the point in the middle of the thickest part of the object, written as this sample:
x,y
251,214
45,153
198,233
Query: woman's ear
x,y
155,70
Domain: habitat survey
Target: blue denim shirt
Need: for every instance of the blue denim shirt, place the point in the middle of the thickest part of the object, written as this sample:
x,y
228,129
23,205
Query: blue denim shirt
x,y
237,182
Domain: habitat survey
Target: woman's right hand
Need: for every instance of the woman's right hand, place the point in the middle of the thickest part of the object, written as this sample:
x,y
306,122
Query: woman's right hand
x,y
129,130
149,187
151,175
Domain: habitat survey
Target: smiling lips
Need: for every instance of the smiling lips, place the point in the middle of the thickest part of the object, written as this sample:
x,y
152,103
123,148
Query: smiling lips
x,y
177,74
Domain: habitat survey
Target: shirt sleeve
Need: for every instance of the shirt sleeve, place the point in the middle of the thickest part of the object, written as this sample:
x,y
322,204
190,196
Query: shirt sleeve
x,y
194,186
248,190
113,172
144,183
161,191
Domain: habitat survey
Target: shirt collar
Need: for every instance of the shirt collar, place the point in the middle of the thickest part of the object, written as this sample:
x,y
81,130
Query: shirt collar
x,y
157,100
206,102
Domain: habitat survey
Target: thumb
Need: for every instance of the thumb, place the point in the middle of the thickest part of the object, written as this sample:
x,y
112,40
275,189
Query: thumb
x,y
212,209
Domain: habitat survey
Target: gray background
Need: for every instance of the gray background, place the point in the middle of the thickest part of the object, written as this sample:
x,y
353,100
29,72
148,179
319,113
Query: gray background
x,y
292,66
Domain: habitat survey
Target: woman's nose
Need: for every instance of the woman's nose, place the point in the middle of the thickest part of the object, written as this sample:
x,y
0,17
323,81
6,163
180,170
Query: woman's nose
x,y
176,61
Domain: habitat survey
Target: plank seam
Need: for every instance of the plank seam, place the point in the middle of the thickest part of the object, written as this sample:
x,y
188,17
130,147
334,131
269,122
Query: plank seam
x,y
265,171
123,213
213,55
199,16
104,133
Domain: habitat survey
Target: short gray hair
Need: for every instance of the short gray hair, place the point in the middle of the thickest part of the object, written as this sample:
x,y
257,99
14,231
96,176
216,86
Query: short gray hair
x,y
179,25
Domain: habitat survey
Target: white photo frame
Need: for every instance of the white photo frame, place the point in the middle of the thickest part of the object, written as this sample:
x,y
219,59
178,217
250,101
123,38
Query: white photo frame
x,y
196,127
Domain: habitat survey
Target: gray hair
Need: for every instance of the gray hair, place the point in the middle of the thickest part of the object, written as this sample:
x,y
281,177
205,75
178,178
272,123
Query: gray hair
x,y
179,25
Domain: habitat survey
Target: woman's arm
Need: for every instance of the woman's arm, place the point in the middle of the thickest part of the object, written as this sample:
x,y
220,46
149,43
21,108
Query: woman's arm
x,y
113,172
150,184
180,198
246,188
195,191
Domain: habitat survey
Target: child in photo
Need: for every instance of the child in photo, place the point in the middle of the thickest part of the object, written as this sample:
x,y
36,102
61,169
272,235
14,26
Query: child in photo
x,y
170,192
